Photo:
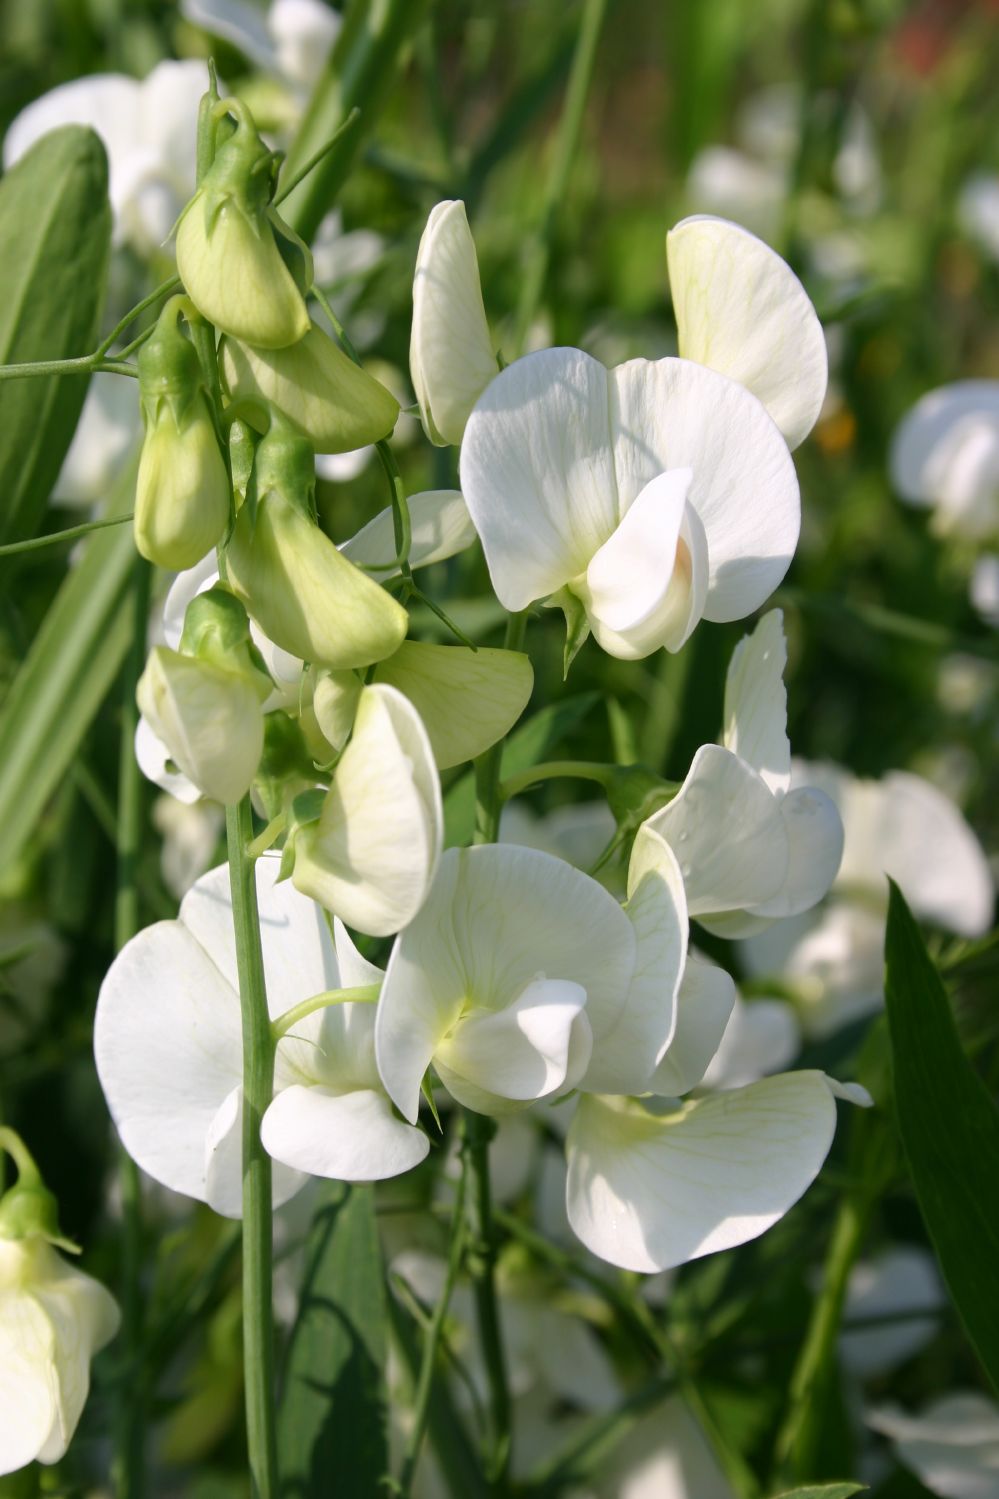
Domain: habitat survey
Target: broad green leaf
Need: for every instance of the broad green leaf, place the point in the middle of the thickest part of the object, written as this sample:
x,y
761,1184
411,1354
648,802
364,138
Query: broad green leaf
x,y
824,1491
526,746
332,1417
66,675
949,1128
55,237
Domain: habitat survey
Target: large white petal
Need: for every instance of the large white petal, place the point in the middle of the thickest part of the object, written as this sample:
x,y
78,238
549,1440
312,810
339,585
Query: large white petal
x,y
741,310
727,832
755,726
224,1163
347,1136
537,473
649,1193
815,848
451,357
498,917
371,857
520,1052
84,1317
154,761
676,414
761,1037
440,527
704,1007
945,453
953,1444
28,1385
902,1278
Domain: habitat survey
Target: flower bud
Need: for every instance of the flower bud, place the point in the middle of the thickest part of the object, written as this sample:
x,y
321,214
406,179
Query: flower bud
x,y
182,492
335,696
338,405
243,267
302,592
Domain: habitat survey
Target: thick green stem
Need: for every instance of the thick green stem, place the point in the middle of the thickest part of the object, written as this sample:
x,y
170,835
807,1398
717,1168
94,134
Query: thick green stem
x,y
478,1131
488,802
131,1424
258,1084
570,127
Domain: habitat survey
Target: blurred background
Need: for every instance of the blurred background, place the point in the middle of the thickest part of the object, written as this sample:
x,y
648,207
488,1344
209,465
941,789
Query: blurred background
x,y
860,138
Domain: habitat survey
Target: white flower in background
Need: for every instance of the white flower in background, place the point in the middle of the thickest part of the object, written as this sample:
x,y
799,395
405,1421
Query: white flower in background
x,y
190,837
751,848
168,1046
664,1456
109,428
372,854
762,1036
148,129
901,1279
978,210
985,588
578,833
900,826
657,494
291,40
952,1445
945,457
451,356
53,1319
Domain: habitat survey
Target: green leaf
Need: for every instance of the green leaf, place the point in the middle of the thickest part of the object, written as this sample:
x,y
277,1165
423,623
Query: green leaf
x,y
949,1128
65,676
525,747
332,1417
55,239
824,1491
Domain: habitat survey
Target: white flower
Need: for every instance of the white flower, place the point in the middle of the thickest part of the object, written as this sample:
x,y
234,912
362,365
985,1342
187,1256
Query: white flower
x,y
902,1278
440,526
292,40
148,129
664,1456
168,1045
53,1319
190,837
985,588
978,210
372,855
761,1037
945,456
451,357
110,426
741,310
751,849
657,493
952,1445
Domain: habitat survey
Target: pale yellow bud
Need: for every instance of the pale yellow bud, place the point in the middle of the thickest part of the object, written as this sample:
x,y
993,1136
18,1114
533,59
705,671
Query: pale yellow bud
x,y
332,400
335,695
467,699
234,274
182,493
209,719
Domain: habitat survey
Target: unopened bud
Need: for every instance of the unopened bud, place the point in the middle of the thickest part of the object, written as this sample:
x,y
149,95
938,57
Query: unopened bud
x,y
28,1209
338,405
244,269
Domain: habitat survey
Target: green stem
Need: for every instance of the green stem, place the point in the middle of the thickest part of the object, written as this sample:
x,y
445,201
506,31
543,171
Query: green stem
x,y
488,801
35,543
432,1339
478,1131
549,770
84,364
314,160
258,1085
130,1461
570,127
362,994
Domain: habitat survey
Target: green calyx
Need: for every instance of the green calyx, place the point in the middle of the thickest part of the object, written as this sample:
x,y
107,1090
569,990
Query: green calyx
x,y
285,464
286,770
28,1209
170,374
634,794
217,630
244,170
304,812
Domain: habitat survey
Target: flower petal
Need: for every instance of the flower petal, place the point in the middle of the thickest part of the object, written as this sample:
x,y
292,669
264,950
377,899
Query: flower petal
x,y
755,726
154,761
704,1007
27,1382
945,453
466,699
520,1052
537,473
648,1193
761,1037
674,414
451,357
741,310
346,1136
440,526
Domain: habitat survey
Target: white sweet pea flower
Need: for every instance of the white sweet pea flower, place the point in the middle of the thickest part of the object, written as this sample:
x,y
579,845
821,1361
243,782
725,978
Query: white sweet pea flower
x,y
985,588
53,1319
751,848
741,310
978,210
147,129
761,1037
656,493
190,837
451,356
945,456
515,970
903,1278
440,527
292,39
952,1445
664,1456
110,426
168,1046
371,855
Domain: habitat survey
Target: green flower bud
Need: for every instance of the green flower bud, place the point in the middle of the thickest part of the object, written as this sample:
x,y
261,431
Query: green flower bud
x,y
300,589
335,696
182,496
217,630
336,404
28,1209
244,269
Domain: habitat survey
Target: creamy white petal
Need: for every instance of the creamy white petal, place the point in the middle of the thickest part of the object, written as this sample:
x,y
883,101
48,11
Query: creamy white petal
x,y
83,1317
28,1383
451,357
537,473
371,857
466,699
649,1193
303,32
239,22
154,761
521,1051
952,1444
704,1008
945,453
440,527
727,832
902,1278
755,723
347,1136
675,414
185,587
498,918
761,1037
110,425
741,310
815,848
355,970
